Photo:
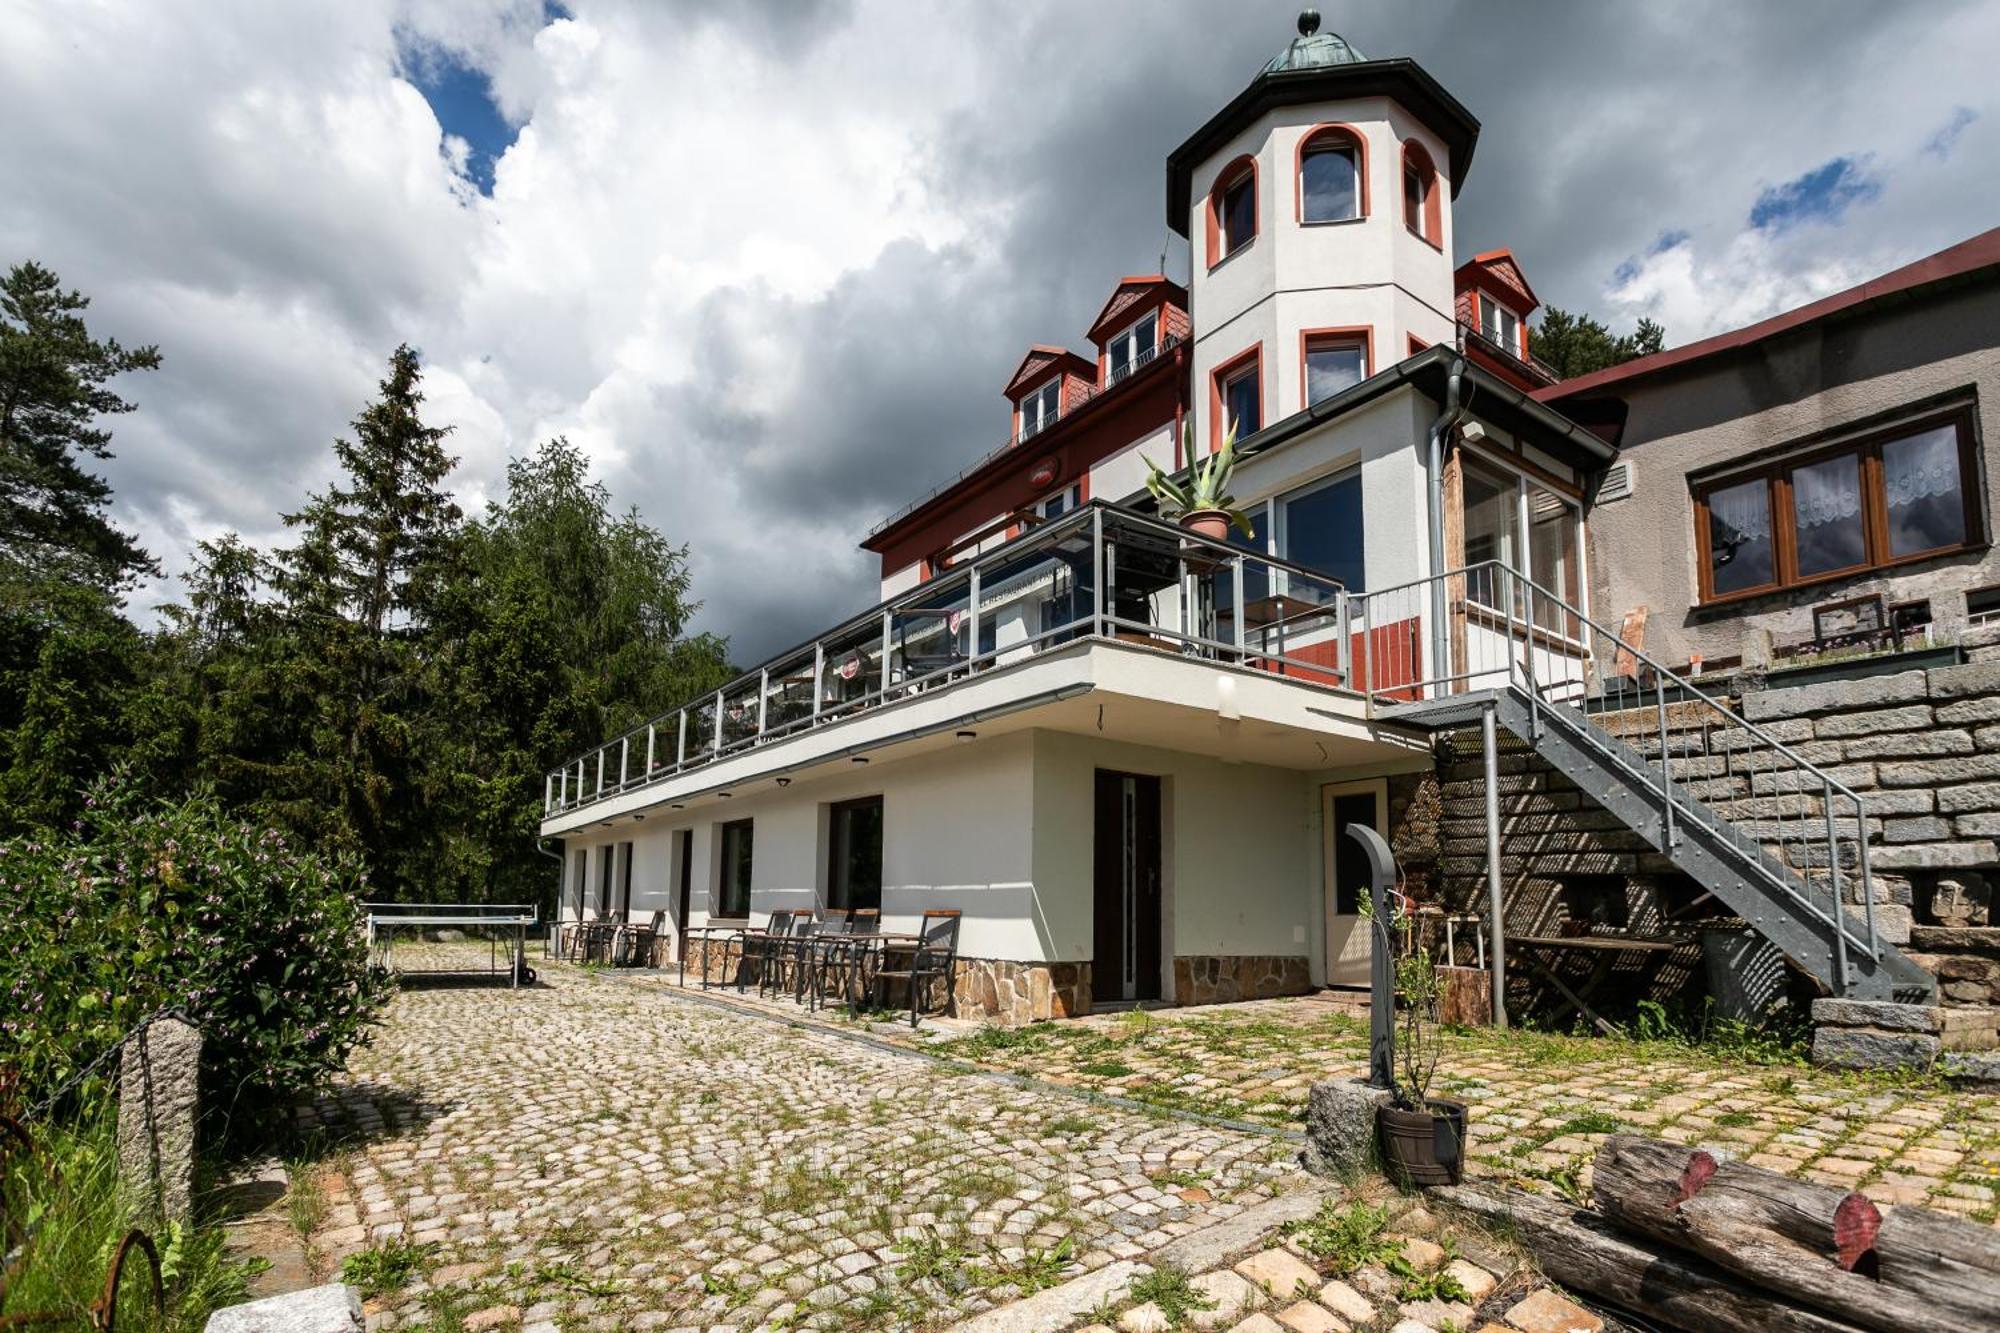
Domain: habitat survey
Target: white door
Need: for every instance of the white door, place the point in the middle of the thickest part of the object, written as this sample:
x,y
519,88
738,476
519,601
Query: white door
x,y
1349,935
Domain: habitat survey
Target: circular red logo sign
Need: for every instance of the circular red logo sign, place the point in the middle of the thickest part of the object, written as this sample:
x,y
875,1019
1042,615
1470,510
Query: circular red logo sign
x,y
1044,473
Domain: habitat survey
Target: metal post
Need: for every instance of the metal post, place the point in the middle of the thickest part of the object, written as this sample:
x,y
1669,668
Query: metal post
x,y
1097,572
819,673
972,622
888,625
1534,704
681,741
548,790
1381,978
763,696
1833,885
652,748
624,759
720,704
1236,601
1495,925
1867,875
1666,763
1343,651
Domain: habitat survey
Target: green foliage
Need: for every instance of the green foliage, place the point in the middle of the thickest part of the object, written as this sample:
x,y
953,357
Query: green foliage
x,y
1346,1238
1573,345
1784,1037
144,904
1169,1288
390,1266
67,1190
1437,1285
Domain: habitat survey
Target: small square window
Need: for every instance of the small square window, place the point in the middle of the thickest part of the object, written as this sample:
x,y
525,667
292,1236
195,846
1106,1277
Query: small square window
x,y
1040,409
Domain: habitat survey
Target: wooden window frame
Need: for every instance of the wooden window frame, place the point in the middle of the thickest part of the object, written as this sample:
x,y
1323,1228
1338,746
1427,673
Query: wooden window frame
x,y
1776,476
1331,135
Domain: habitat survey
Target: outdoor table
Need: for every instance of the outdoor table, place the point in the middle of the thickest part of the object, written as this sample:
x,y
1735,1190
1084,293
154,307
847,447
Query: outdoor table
x,y
728,929
1607,950
871,945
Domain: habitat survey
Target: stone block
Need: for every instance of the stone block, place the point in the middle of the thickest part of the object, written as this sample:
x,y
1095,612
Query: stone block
x,y
1987,737
159,1100
1279,1274
1231,1295
1957,939
1936,856
1305,1317
1837,726
1971,1066
1340,1126
1962,682
1907,745
1926,828
1910,801
1883,1014
1941,771
1868,692
1346,1302
1969,710
1864,1048
1545,1312
1894,922
335,1308
1962,800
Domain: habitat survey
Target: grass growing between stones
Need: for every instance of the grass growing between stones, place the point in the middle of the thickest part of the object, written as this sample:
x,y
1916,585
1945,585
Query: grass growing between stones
x,y
388,1267
1169,1290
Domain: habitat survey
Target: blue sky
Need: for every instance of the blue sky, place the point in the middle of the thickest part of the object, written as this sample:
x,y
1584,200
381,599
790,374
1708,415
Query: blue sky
x,y
460,94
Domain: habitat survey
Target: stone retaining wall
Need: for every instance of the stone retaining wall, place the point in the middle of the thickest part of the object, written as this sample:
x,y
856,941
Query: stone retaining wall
x,y
1225,979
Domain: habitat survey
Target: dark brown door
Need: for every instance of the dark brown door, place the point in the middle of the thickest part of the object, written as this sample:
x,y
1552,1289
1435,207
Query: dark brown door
x,y
687,876
1126,962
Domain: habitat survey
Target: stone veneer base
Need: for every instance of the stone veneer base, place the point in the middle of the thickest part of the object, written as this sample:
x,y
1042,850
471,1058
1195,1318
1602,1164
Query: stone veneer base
x,y
1226,978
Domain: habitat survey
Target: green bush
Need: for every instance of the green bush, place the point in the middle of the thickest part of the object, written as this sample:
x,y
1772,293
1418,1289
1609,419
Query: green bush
x,y
144,904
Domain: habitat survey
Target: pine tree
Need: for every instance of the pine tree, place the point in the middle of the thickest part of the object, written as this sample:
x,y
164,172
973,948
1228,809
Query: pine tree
x,y
1573,345
53,398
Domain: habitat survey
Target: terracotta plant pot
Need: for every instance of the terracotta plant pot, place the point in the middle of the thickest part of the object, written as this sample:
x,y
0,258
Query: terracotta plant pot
x,y
1424,1147
1210,523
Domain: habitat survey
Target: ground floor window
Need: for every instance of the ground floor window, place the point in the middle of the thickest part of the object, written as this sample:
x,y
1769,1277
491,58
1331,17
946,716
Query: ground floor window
x,y
580,872
732,898
1512,521
604,866
854,854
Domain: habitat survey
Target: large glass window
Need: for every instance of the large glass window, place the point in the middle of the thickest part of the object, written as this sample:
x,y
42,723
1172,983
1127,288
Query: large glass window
x,y
1899,495
1553,524
604,865
732,898
1492,517
1132,348
1040,408
1239,212
1319,526
1329,181
854,854
1243,401
1500,325
1334,363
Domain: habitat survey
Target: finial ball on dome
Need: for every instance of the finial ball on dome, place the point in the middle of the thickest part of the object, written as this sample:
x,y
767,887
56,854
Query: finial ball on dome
x,y
1308,22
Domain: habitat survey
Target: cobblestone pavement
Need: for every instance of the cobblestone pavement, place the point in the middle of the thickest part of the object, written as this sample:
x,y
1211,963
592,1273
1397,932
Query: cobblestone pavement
x,y
591,1153
1541,1104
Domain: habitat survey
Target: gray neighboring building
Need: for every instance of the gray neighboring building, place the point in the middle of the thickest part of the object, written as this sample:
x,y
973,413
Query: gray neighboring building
x,y
1831,459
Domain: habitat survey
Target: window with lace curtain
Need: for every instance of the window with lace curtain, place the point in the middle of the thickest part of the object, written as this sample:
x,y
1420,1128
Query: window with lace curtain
x,y
1898,495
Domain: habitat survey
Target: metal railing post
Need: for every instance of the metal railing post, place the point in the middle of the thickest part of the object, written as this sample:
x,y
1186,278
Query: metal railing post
x,y
652,747
1833,887
1666,764
1343,651
1097,572
1496,925
600,770
1534,703
548,791
888,626
763,696
1236,602
720,705
819,673
681,741
1867,875
972,622
624,760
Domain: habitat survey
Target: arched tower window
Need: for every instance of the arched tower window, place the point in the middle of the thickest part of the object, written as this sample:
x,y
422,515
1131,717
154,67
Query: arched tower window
x,y
1333,175
1232,209
1421,207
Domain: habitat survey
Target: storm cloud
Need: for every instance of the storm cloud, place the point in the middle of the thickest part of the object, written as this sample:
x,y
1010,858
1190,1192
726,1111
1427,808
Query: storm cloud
x,y
770,264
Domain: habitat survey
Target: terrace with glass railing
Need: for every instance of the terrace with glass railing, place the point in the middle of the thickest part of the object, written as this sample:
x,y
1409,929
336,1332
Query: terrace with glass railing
x,y
1098,573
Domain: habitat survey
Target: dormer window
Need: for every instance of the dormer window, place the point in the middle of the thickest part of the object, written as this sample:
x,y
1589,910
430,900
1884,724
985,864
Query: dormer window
x,y
1501,325
1330,176
1040,408
1421,211
1132,348
1232,210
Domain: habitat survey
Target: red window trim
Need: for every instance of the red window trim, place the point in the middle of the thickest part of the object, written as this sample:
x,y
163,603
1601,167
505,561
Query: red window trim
x,y
1432,231
1225,178
1776,476
1331,130
1250,356
1354,333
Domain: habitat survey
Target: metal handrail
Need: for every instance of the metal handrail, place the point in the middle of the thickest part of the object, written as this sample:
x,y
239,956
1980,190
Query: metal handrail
x,y
1101,524
1517,613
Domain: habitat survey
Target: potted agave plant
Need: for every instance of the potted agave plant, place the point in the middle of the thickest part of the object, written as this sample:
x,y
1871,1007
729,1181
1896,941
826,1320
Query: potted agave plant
x,y
1202,504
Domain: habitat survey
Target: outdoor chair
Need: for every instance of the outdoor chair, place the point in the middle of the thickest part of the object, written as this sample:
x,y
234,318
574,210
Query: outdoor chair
x,y
634,943
933,954
779,952
802,964
834,954
760,946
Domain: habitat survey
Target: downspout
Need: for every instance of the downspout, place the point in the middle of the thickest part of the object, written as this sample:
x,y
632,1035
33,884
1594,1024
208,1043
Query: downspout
x,y
1446,421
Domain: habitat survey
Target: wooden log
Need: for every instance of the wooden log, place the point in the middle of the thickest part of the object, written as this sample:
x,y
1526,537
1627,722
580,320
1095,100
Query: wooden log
x,y
1668,1288
1818,1245
1951,1264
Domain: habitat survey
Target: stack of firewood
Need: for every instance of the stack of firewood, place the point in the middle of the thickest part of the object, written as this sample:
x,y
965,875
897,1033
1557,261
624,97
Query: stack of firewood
x,y
1688,1239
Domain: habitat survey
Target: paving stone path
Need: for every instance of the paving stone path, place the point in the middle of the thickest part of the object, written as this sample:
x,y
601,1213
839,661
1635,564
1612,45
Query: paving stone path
x,y
589,1153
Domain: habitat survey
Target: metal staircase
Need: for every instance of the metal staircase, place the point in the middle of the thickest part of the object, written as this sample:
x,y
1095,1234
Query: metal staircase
x,y
1775,838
